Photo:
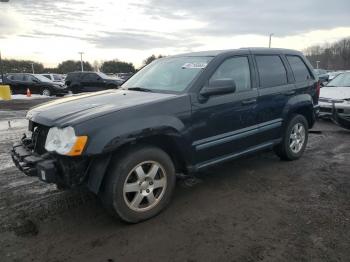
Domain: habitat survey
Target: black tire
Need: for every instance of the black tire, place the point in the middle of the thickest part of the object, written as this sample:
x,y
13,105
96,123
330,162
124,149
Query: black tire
x,y
46,92
284,150
112,195
74,89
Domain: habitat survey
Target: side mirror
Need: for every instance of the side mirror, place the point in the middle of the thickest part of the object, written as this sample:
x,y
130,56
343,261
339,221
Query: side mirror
x,y
35,80
218,87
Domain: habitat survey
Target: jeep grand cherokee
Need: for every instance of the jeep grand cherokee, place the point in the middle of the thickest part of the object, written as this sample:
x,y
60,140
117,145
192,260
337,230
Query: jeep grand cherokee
x,y
179,114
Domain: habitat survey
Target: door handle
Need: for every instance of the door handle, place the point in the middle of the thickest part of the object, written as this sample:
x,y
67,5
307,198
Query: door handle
x,y
249,101
289,93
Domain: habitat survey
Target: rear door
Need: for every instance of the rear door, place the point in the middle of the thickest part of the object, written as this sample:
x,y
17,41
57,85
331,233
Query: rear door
x,y
275,88
224,124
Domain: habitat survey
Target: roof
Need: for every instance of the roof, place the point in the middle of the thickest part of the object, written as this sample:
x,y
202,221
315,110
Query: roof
x,y
251,49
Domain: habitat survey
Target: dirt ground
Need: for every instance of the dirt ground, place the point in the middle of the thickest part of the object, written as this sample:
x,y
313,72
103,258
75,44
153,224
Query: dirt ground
x,y
253,209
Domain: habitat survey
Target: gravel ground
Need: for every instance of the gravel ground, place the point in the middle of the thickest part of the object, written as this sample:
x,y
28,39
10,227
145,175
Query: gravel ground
x,y
253,209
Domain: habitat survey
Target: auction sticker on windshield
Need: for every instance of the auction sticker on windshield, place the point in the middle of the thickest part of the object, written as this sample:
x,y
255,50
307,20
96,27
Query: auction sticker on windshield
x,y
195,65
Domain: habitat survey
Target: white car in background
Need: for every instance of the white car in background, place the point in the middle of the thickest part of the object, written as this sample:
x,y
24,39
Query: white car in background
x,y
334,74
57,78
334,100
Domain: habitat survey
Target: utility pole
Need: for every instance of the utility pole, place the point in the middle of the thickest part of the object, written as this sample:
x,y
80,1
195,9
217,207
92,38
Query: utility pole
x,y
1,71
270,38
33,68
317,62
81,61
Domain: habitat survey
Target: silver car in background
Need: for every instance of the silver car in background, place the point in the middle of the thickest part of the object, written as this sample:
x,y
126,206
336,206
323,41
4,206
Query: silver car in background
x,y
334,100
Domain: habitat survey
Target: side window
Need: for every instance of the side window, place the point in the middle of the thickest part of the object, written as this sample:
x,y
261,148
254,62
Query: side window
x,y
57,77
29,78
271,70
237,69
300,71
90,77
17,77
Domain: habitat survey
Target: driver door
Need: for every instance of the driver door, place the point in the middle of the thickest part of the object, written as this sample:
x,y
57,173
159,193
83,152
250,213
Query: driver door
x,y
225,124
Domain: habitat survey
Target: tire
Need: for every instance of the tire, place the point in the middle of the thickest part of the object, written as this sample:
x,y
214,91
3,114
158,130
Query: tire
x,y
288,151
74,89
128,187
46,92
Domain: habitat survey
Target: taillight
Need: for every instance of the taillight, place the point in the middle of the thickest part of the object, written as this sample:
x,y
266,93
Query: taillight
x,y
318,88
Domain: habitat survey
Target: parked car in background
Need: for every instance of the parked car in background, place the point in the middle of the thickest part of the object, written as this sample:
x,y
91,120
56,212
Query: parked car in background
x,y
37,84
78,82
335,98
322,75
124,76
179,114
57,78
333,74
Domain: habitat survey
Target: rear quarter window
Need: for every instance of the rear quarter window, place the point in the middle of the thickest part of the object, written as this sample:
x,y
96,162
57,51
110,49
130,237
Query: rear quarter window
x,y
271,70
300,71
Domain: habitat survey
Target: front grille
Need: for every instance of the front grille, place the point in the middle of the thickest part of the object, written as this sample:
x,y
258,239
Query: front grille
x,y
39,137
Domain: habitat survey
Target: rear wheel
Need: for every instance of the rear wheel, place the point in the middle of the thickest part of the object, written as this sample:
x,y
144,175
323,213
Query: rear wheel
x,y
294,140
139,185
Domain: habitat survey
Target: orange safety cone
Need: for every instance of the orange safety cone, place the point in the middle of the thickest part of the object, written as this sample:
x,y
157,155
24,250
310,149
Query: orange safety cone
x,y
28,93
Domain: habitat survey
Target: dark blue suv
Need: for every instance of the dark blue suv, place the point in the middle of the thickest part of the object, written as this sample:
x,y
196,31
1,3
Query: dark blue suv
x,y
180,114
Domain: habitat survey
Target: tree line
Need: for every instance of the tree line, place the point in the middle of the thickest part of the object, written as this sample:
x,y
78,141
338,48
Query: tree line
x,y
112,66
335,56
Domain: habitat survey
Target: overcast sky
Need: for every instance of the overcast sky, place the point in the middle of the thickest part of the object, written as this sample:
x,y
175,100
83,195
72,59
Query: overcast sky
x,y
51,31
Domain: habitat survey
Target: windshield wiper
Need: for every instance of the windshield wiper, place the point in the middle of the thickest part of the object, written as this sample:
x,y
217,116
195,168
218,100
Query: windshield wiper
x,y
142,89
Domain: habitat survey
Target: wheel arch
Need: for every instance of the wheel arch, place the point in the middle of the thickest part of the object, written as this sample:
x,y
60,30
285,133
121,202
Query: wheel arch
x,y
303,105
166,142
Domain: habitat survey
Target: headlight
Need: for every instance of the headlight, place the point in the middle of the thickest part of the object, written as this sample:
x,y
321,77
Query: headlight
x,y
64,141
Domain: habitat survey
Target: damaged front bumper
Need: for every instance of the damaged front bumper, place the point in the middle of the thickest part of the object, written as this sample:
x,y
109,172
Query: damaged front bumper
x,y
336,110
63,171
341,118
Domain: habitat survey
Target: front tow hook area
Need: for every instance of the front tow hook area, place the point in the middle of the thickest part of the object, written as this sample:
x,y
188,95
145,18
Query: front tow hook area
x,y
47,171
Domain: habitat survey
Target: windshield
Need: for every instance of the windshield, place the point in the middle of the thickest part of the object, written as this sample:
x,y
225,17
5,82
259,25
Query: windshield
x,y
169,74
341,80
42,78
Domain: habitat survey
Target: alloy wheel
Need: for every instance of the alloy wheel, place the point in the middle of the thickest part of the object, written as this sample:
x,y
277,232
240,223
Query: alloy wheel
x,y
46,92
297,138
145,186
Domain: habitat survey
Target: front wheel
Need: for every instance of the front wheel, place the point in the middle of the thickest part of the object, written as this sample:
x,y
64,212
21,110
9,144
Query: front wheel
x,y
139,185
294,139
46,92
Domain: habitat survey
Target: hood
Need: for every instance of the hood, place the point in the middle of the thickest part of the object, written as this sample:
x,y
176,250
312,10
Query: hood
x,y
78,108
335,92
